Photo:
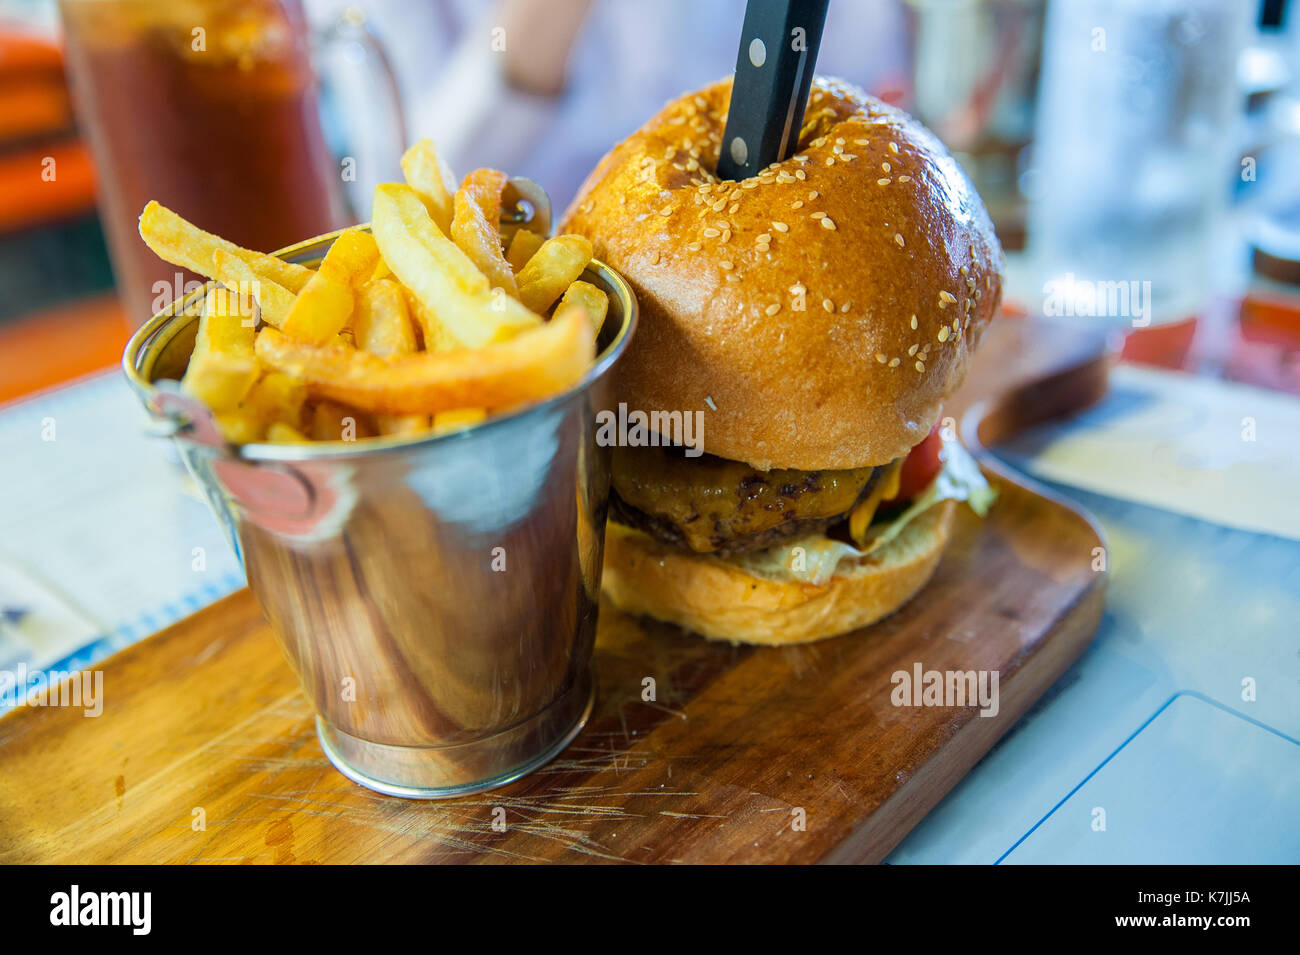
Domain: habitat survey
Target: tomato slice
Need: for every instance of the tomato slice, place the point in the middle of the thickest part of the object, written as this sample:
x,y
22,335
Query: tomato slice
x,y
919,467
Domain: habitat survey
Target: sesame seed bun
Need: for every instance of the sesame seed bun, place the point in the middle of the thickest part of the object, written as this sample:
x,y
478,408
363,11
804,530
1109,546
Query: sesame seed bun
x,y
719,600
782,306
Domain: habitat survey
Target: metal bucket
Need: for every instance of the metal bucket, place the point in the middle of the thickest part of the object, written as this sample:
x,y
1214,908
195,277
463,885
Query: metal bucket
x,y
435,595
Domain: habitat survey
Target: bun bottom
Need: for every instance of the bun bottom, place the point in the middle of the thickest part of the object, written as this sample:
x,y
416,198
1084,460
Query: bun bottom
x,y
718,600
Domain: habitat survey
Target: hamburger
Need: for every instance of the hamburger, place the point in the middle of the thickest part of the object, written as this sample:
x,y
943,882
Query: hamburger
x,y
816,317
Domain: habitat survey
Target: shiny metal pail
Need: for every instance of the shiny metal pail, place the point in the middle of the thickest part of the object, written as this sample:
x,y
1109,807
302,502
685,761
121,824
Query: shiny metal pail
x,y
435,595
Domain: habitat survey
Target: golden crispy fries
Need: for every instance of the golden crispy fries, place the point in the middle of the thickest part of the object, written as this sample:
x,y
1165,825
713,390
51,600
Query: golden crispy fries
x,y
550,270
533,365
423,325
324,305
402,423
222,366
381,323
522,248
182,243
593,300
423,173
474,226
276,397
440,276
281,433
331,421
458,418
273,300
383,326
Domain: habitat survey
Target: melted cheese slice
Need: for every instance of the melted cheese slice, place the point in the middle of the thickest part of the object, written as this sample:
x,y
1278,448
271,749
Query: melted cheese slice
x,y
885,488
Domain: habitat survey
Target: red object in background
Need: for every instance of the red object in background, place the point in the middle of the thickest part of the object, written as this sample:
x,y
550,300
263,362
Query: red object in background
x,y
45,172
1165,346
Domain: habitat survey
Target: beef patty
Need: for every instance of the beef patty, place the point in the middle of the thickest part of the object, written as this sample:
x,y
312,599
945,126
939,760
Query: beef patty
x,y
709,504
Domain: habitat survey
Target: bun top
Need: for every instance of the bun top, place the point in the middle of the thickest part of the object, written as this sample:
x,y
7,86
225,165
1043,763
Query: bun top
x,y
818,313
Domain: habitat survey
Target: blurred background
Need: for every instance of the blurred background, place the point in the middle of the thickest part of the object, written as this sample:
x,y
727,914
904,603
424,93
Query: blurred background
x,y
1114,141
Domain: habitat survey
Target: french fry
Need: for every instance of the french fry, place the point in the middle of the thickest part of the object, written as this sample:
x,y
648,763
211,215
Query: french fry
x,y
325,303
381,323
557,263
273,300
522,248
458,418
222,366
423,173
382,326
182,243
281,433
439,275
592,299
474,226
533,365
276,397
331,421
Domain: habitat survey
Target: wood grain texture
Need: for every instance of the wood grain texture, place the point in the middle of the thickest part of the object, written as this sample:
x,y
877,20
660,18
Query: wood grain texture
x,y
204,722
206,716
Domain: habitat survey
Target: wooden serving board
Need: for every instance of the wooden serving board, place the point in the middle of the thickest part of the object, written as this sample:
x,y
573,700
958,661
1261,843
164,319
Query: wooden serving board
x,y
206,750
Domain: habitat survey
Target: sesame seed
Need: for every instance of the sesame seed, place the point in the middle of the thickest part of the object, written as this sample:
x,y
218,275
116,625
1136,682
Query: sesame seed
x,y
800,174
797,204
893,147
894,362
726,236
836,150
828,305
913,321
827,223
973,253
956,324
764,238
947,298
881,358
845,308
666,211
711,233
773,308
780,227
719,205
694,247
654,258
912,350
839,141
882,182
749,184
885,166
818,215
734,207
920,366
862,142
964,270
904,178
813,195
943,333
898,237
830,161
848,157
727,264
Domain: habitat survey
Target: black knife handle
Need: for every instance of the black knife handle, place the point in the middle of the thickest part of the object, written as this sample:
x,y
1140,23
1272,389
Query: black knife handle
x,y
774,71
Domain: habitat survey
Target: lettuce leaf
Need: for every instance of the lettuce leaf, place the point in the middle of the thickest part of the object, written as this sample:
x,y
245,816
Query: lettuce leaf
x,y
815,558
